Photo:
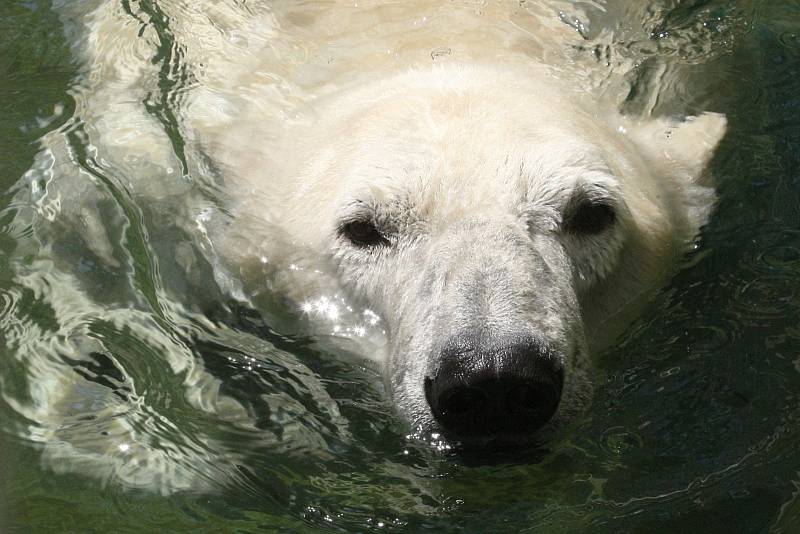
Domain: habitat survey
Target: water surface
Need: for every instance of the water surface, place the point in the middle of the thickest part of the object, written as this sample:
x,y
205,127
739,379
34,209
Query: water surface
x,y
127,403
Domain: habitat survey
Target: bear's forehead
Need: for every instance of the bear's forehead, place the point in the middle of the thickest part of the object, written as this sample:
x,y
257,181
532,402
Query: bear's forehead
x,y
521,171
440,151
505,188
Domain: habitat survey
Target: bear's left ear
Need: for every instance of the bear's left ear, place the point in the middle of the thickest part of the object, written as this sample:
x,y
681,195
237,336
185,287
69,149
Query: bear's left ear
x,y
689,144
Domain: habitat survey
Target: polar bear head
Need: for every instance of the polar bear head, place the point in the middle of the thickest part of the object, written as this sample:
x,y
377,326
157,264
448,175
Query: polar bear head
x,y
502,226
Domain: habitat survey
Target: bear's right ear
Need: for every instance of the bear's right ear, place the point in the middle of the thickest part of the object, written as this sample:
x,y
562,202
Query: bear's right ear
x,y
689,144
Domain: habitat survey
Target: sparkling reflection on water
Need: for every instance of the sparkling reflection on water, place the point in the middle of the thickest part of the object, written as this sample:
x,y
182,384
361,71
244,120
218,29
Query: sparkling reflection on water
x,y
124,405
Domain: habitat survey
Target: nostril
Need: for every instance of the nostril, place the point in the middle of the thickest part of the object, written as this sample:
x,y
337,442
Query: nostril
x,y
531,397
532,403
524,396
463,401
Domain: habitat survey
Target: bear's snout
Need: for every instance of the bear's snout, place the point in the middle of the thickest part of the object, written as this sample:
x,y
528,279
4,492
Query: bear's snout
x,y
500,388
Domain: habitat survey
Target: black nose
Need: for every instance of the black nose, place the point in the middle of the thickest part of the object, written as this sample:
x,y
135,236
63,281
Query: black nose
x,y
497,389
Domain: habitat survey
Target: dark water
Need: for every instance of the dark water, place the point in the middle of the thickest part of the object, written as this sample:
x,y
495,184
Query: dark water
x,y
696,421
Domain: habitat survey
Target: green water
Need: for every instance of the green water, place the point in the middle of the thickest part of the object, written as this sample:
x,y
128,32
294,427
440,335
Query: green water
x,y
696,420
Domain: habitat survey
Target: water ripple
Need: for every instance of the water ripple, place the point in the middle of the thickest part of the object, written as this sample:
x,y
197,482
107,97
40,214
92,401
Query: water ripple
x,y
117,377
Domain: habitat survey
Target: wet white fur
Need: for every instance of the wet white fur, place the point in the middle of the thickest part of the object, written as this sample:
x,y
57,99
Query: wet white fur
x,y
472,163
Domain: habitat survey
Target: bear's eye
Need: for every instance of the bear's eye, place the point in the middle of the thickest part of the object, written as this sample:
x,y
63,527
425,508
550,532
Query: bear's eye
x,y
591,218
363,234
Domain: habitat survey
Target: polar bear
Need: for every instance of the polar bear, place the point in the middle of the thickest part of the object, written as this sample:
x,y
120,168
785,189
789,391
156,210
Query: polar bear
x,y
501,225
446,169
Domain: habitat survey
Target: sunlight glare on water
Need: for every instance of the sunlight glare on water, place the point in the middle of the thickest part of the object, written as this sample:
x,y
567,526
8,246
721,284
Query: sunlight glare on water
x,y
137,392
